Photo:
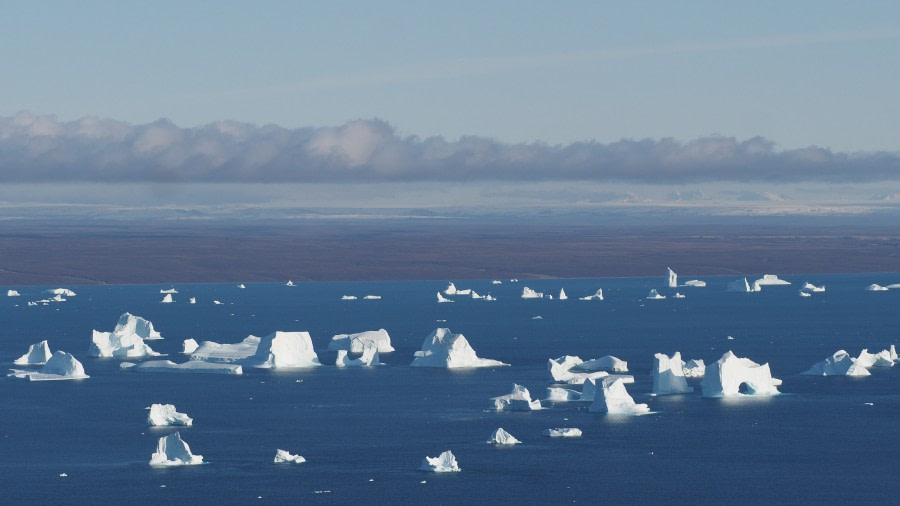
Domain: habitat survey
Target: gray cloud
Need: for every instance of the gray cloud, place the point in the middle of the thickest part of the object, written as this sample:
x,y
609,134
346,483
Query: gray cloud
x,y
37,148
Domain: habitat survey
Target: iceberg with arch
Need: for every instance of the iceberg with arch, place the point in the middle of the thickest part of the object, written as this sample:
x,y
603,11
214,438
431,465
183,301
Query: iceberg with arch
x,y
284,349
517,400
369,357
838,364
503,438
611,397
443,348
60,366
725,377
443,463
598,295
528,293
286,457
668,375
356,343
171,450
37,354
165,415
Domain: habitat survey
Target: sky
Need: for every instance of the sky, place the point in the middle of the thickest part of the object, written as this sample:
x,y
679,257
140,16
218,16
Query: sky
x,y
663,93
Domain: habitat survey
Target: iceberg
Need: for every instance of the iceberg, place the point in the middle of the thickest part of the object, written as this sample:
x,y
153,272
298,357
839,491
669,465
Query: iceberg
x,y
192,300
561,370
444,463
131,324
167,299
678,295
742,286
771,280
559,394
501,437
598,295
605,363
805,294
443,348
65,292
12,293
813,288
672,278
694,368
881,359
562,294
696,283
356,343
451,289
60,366
892,351
164,415
372,297
284,349
189,346
170,290
612,398
475,295
441,298
839,364
517,400
210,351
874,287
241,286
189,367
725,377
668,375
496,282
126,340
286,457
348,297
563,432
290,283
489,298
654,295
528,293
368,358
217,303
37,354
173,451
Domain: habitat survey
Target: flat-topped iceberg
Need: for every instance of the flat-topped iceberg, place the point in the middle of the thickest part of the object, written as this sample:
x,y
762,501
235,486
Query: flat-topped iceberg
x,y
173,451
65,292
348,297
501,437
671,278
668,375
286,457
60,366
372,297
695,283
598,295
12,293
284,349
725,377
169,290
210,351
189,346
561,370
654,295
369,357
441,298
838,364
694,368
528,293
356,343
771,280
443,463
881,359
443,348
189,367
165,415
37,354
875,287
605,363
612,398
563,432
517,400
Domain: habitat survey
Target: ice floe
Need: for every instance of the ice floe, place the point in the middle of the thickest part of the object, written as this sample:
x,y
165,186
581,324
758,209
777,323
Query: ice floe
x,y
612,398
443,348
189,367
563,432
286,457
501,437
165,415
668,375
517,400
838,364
598,295
284,349
725,377
528,293
355,343
173,451
60,366
771,280
444,463
37,354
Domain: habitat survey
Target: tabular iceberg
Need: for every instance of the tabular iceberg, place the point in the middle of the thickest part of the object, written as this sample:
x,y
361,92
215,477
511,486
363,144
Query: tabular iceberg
x,y
443,348
668,375
189,367
173,451
598,295
605,363
696,283
517,400
881,359
654,295
875,287
805,294
170,290
839,364
561,370
563,432
356,343
348,297
284,349
165,415
771,280
725,377
60,366
12,293
612,398
210,351
528,293
444,463
286,457
189,346
37,354
501,437
694,368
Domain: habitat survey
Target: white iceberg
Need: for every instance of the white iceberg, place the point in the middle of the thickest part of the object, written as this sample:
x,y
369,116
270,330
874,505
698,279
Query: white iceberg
x,y
189,367
605,363
501,437
528,293
563,432
192,300
284,349
441,298
65,292
131,324
612,398
60,366
368,358
210,351
805,294
725,377
679,295
165,415
241,286
289,283
695,283
444,463
189,346
517,400
126,340
559,394
172,451
893,353
839,364
217,302
12,293
874,287
771,280
167,299
170,290
881,359
476,296
58,298
496,282
598,295
443,348
671,278
451,289
561,370
694,368
37,354
668,375
742,286
348,297
372,297
355,343
813,288
562,294
489,298
286,457
654,295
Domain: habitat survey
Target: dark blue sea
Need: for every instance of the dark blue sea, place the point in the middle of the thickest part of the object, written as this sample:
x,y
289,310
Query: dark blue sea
x,y
364,432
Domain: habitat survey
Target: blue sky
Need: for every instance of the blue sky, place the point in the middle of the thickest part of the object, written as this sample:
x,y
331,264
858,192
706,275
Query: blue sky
x,y
800,73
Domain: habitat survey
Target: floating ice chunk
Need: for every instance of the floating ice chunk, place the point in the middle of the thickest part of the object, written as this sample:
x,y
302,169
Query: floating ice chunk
x,y
501,437
694,368
170,290
355,343
286,457
612,398
289,283
12,293
563,432
60,366
131,324
874,287
37,354
372,297
126,340
496,282
451,289
598,295
241,286
559,394
65,292
528,293
678,295
192,300
549,297
672,278
605,363
839,364
189,346
368,358
561,370
654,295
284,349
167,299
725,377
58,298
164,415
805,294
441,298
881,359
172,451
189,367
892,351
517,400
444,463
893,285
813,288
742,286
489,298
443,348
668,375
475,295
218,303
695,283
513,280
348,297
32,303
210,351
771,280
562,294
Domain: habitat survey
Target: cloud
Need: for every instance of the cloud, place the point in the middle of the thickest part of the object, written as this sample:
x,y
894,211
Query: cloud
x,y
36,148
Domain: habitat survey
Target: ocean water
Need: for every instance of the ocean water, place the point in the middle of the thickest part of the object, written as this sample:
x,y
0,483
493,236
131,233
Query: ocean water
x,y
365,431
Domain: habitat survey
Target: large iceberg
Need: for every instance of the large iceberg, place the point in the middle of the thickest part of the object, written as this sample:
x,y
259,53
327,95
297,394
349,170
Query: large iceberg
x,y
12,293
286,457
654,295
37,354
368,358
694,368
172,451
126,340
284,349
165,415
612,398
725,377
65,292
517,400
881,359
210,351
563,432
672,278
443,348
356,343
839,364
561,370
668,375
444,463
190,367
598,295
743,286
770,280
605,363
528,293
60,366
874,287
131,324
501,437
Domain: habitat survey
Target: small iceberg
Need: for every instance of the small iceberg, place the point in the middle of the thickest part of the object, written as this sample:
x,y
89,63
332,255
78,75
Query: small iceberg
x,y
476,296
517,400
356,343
60,366
695,283
813,288
562,294
284,349
598,295
444,463
496,282
441,298
217,302
563,432
167,299
561,370
241,286
726,376
192,300
189,346
63,292
679,295
173,451
612,398
503,438
289,283
838,364
211,351
348,297
451,289
805,294
37,354
12,293
528,293
372,297
694,368
443,348
874,287
771,280
286,457
167,291
668,375
189,367
654,295
165,415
